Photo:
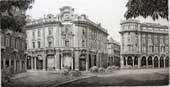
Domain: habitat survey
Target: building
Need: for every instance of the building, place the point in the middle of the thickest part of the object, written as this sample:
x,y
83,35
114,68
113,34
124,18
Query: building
x,y
13,46
65,40
144,45
113,48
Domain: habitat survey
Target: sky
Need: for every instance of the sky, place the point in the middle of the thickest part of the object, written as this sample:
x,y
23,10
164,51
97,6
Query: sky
x,y
107,12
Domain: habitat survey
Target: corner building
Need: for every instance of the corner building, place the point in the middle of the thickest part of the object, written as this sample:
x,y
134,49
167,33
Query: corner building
x,y
65,40
144,45
13,46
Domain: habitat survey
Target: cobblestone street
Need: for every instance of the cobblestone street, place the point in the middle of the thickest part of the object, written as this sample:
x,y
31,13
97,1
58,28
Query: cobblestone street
x,y
143,77
40,79
52,78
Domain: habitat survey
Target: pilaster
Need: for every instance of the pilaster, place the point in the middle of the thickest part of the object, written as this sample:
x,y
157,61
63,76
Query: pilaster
x,y
44,62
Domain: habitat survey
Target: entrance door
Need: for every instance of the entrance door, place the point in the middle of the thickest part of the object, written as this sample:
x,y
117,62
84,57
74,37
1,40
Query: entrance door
x,y
82,64
50,62
68,62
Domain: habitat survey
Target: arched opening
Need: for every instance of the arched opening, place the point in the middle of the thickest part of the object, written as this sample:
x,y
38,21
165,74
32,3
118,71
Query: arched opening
x,y
155,61
143,61
29,62
167,61
136,60
95,60
39,62
161,61
130,61
124,60
82,62
90,65
150,61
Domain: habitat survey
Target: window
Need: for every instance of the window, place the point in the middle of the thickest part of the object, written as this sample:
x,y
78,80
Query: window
x,y
33,44
155,40
166,49
17,43
143,49
66,43
7,41
2,39
49,44
50,30
39,33
39,44
149,41
143,41
156,49
12,42
83,43
23,46
33,33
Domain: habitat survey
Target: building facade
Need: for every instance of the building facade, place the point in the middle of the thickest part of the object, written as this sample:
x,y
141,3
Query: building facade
x,y
144,45
13,46
65,40
113,49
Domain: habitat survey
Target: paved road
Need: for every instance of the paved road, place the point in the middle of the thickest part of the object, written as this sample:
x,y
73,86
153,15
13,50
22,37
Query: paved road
x,y
43,78
150,77
38,79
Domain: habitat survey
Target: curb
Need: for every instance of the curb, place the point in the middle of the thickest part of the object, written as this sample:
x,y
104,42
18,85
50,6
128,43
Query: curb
x,y
65,82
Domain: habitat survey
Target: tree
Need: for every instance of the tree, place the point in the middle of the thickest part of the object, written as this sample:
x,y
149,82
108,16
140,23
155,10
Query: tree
x,y
12,14
145,8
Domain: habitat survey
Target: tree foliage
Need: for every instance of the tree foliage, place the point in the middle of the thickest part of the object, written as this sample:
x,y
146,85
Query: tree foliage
x,y
12,14
145,8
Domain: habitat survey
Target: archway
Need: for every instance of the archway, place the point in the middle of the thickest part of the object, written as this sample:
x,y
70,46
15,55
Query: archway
x,y
150,61
155,61
143,61
82,62
136,60
124,60
39,62
161,61
167,61
130,61
90,65
28,62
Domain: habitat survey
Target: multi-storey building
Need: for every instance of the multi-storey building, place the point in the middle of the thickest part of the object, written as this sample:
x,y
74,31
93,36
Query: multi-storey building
x,y
13,46
144,45
65,40
113,48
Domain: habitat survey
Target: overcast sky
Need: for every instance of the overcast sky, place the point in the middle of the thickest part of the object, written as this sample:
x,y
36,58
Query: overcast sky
x,y
107,12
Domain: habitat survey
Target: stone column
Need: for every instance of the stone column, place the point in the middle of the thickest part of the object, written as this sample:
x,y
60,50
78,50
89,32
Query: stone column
x,y
153,62
44,62
159,63
9,62
126,61
14,65
57,61
87,61
35,63
61,61
139,62
122,62
133,62
146,62
164,63
26,63
76,60
32,63
20,65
